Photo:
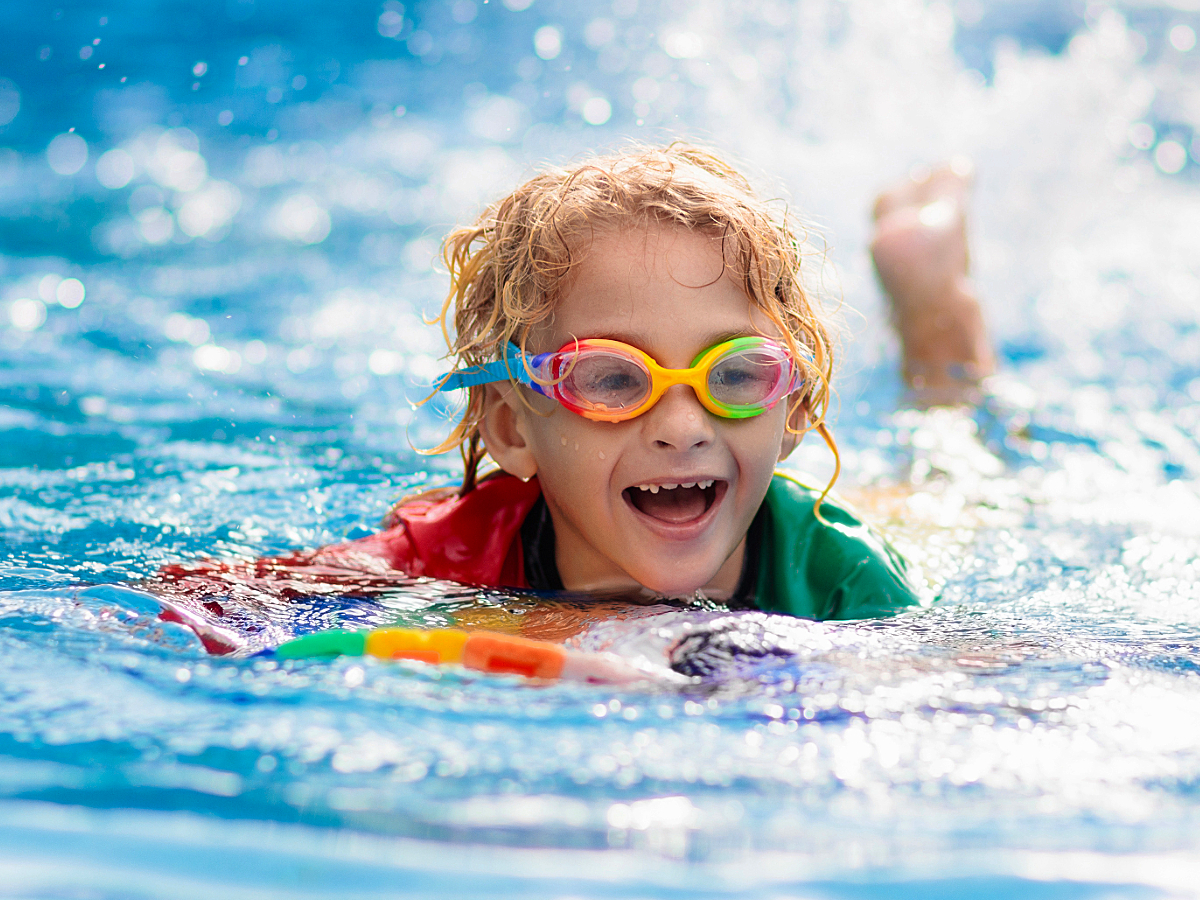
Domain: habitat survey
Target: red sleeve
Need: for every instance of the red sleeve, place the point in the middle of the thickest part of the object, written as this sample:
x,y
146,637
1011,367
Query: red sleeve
x,y
475,539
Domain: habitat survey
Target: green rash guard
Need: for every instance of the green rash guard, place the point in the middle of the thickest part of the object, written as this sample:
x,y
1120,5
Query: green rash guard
x,y
840,570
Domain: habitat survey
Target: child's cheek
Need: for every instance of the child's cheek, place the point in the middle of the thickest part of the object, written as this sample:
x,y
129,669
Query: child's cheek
x,y
568,442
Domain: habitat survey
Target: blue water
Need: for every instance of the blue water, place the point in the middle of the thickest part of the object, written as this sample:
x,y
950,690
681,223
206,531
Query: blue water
x,y
233,375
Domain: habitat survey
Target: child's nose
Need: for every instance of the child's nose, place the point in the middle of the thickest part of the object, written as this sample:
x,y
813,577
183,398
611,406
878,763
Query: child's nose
x,y
678,421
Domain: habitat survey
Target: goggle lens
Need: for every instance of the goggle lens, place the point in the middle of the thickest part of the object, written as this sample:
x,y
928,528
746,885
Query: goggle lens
x,y
750,379
602,380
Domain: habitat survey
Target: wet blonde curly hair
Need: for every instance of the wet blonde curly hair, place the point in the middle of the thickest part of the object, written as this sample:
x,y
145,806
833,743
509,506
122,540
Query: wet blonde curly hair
x,y
506,269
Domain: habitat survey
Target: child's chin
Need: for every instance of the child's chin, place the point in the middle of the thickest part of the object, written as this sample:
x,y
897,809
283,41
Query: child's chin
x,y
671,585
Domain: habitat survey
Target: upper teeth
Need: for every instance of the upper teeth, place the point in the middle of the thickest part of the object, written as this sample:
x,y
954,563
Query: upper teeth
x,y
655,488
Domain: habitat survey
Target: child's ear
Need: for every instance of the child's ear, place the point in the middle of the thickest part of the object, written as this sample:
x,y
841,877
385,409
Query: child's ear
x,y
503,429
796,421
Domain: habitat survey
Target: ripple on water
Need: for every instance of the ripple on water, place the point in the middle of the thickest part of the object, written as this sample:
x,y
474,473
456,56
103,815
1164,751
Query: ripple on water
x,y
235,374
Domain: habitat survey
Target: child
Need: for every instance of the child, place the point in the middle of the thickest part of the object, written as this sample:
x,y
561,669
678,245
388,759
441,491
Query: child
x,y
639,352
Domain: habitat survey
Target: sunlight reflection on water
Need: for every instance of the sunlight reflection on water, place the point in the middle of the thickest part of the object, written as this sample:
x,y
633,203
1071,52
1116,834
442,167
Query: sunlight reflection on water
x,y
209,322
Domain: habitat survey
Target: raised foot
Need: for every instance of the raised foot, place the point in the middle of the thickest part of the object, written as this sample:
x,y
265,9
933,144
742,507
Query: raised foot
x,y
921,254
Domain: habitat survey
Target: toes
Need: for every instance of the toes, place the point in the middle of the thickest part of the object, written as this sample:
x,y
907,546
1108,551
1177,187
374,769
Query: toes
x,y
924,185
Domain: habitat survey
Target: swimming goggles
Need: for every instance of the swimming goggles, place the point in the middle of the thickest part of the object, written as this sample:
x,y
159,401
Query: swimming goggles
x,y
610,381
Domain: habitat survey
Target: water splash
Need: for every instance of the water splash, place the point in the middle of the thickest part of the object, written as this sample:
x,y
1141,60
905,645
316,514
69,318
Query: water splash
x,y
233,376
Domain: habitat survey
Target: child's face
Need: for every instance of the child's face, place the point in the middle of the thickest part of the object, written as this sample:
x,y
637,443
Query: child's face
x,y
664,290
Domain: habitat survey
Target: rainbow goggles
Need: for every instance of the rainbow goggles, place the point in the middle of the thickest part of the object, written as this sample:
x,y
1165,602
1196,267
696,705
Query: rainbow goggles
x,y
610,381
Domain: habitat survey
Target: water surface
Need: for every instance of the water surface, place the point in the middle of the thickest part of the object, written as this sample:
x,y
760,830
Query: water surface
x,y
215,254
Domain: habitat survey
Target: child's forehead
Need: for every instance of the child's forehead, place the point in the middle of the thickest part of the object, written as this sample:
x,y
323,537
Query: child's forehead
x,y
649,239
655,289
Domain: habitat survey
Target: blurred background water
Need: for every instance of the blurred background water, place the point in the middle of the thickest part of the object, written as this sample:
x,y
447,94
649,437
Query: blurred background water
x,y
218,230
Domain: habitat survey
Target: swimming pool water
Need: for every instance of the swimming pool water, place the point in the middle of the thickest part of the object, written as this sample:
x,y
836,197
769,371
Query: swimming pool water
x,y
211,293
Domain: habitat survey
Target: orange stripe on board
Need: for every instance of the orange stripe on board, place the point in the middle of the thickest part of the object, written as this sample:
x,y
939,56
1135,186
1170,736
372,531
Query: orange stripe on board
x,y
503,654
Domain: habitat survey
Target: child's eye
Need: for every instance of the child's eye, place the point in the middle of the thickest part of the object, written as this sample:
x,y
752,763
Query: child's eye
x,y
609,380
614,382
738,376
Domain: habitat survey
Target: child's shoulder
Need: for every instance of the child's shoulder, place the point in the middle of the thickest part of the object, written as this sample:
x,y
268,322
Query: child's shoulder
x,y
495,491
472,538
826,562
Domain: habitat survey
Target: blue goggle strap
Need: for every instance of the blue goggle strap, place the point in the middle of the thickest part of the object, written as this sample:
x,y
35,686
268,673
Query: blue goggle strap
x,y
512,366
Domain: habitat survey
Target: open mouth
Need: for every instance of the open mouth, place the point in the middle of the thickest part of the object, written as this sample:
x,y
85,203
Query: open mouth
x,y
675,504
